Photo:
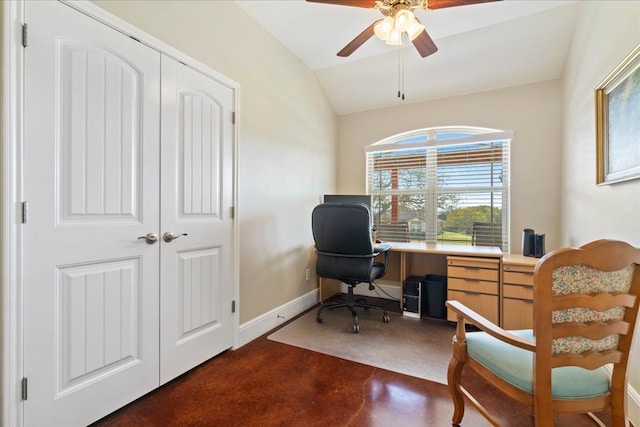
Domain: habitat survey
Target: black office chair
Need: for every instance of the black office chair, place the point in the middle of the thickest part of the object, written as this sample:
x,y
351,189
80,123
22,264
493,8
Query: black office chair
x,y
342,233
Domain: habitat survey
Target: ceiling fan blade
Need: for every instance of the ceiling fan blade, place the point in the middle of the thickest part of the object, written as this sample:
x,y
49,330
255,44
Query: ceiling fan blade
x,y
425,44
441,4
358,41
356,3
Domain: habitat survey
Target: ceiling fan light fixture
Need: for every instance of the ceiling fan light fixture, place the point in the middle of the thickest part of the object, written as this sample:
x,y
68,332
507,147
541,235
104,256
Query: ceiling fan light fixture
x,y
403,20
395,37
383,28
414,30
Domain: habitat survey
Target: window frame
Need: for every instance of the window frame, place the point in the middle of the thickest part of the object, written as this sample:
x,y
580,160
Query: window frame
x,y
431,139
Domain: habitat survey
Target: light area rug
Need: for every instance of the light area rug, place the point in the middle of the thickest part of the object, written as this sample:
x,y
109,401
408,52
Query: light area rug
x,y
417,347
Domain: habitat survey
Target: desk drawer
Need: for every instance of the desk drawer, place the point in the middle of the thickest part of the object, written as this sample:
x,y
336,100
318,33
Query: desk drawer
x,y
517,314
473,273
517,277
475,286
518,291
485,305
488,263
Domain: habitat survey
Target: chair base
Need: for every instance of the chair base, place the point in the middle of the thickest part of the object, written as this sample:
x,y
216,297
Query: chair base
x,y
351,303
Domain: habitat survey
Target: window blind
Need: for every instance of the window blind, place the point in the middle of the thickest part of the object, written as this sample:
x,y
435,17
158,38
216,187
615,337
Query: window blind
x,y
451,190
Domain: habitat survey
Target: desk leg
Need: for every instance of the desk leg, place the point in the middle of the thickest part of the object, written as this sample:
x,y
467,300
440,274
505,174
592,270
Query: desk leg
x,y
328,288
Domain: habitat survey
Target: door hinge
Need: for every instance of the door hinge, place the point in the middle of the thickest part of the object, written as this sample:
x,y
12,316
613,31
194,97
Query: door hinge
x,y
233,117
24,35
233,306
23,393
24,212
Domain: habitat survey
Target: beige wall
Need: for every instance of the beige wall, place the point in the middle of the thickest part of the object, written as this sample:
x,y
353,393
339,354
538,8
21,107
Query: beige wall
x,y
287,143
532,112
606,34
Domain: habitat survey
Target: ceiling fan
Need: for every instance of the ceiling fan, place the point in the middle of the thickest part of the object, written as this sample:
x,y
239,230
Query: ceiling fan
x,y
399,19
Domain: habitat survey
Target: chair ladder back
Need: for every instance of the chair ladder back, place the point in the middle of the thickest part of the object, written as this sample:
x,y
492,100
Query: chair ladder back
x,y
585,302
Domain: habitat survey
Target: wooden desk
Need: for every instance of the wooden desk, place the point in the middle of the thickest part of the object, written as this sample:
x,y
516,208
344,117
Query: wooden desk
x,y
420,259
408,259
439,249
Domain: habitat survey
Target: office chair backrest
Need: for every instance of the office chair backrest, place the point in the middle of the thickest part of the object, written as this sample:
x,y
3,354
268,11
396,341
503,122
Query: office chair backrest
x,y
342,233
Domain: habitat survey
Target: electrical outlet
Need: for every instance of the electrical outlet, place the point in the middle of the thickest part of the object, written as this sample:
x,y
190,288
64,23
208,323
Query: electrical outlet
x,y
307,274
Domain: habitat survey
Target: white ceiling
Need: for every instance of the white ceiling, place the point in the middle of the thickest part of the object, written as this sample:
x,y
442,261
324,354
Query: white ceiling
x,y
481,47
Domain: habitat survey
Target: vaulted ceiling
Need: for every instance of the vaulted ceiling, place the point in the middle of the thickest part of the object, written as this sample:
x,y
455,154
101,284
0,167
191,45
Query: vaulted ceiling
x,y
480,47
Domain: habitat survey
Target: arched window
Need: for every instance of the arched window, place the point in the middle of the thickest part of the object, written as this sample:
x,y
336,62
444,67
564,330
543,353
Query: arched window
x,y
447,185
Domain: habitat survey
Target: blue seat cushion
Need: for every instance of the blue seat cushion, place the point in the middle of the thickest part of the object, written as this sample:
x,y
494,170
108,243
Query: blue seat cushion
x,y
515,366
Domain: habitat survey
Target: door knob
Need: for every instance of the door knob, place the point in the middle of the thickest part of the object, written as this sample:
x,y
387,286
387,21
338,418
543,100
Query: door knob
x,y
170,237
151,238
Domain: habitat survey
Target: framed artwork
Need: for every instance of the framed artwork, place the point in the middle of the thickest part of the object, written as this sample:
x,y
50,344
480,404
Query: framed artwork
x,y
618,123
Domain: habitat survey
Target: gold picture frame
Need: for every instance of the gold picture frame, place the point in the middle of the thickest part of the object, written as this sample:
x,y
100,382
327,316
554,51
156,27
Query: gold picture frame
x,y
618,123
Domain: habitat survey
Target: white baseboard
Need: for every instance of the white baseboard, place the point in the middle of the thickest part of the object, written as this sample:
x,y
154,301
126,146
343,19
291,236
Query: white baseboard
x,y
260,325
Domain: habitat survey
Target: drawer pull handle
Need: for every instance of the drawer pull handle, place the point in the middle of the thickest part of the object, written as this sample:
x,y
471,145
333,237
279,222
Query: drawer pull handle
x,y
521,286
527,301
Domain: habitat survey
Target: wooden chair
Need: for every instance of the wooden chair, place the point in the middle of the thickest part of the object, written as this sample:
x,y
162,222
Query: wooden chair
x,y
585,309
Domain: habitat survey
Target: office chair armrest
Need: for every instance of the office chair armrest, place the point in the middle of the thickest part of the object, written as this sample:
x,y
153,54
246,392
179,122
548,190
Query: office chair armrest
x,y
463,312
382,247
346,255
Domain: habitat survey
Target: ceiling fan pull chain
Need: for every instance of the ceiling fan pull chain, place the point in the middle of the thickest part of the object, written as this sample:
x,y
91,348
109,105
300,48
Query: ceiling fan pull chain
x,y
402,55
399,73
401,69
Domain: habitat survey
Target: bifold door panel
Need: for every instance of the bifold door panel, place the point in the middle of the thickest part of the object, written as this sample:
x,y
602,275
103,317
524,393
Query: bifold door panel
x,y
196,185
111,308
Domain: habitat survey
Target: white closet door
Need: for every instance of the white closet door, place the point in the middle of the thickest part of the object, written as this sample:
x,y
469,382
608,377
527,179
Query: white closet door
x,y
91,172
197,191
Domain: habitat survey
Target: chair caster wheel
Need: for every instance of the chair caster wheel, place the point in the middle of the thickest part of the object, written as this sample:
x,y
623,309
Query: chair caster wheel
x,y
319,319
385,318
